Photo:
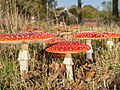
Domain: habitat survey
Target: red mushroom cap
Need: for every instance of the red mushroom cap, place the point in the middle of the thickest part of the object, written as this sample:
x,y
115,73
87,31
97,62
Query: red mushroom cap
x,y
55,40
74,26
112,34
89,35
29,37
68,47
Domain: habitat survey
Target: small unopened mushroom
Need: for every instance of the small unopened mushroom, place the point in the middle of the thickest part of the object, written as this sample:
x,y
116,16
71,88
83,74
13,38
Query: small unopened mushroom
x,y
67,48
89,35
24,39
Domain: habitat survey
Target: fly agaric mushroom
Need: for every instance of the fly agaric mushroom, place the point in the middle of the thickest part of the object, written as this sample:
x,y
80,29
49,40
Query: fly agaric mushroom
x,y
29,37
111,35
73,28
53,40
67,48
24,39
56,40
88,35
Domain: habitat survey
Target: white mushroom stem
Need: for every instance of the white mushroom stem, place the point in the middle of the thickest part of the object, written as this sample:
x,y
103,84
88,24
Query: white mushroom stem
x,y
68,62
110,44
89,52
23,60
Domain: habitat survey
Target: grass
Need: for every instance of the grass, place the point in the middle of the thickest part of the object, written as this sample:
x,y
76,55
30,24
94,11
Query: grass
x,y
98,75
101,74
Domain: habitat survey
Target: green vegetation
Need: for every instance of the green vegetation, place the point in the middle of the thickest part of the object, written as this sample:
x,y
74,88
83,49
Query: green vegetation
x,y
102,73
41,76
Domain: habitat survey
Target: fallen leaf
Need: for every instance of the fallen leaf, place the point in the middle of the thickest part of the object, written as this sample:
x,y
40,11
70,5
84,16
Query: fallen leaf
x,y
81,86
89,75
62,66
78,86
52,65
86,67
106,74
57,67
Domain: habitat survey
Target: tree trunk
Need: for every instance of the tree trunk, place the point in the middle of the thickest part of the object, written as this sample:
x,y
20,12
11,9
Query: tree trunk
x,y
79,11
115,10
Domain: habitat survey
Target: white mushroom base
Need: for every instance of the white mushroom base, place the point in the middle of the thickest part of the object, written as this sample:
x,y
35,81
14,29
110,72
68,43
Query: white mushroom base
x,y
110,44
89,52
69,71
23,58
23,68
68,62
